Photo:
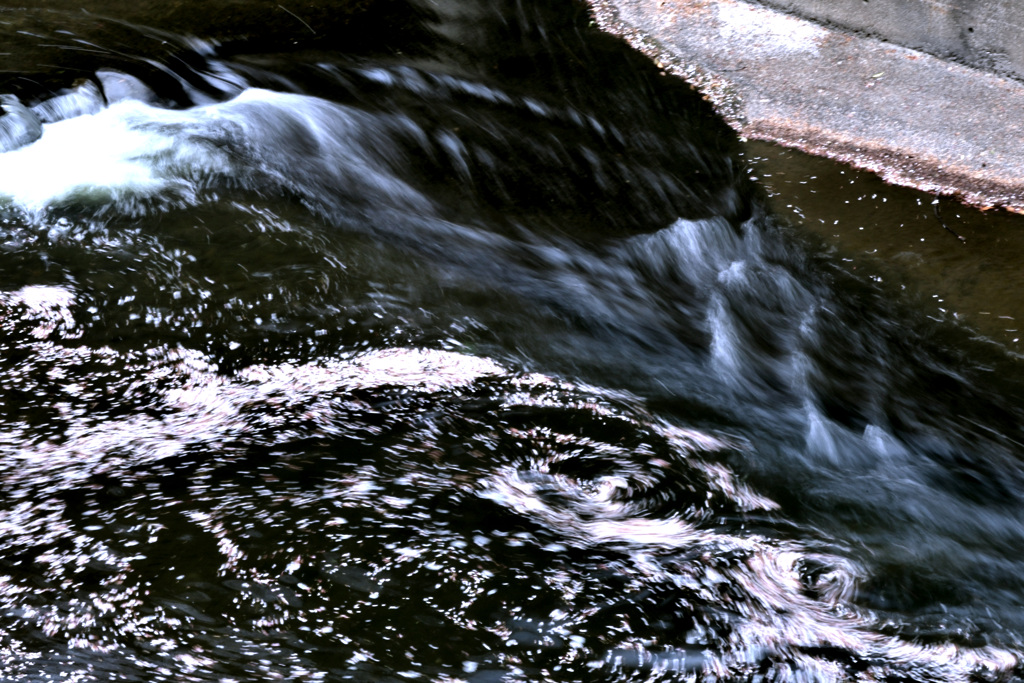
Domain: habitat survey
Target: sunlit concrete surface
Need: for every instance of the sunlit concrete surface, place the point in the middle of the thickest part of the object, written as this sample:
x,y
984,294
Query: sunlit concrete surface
x,y
914,118
985,34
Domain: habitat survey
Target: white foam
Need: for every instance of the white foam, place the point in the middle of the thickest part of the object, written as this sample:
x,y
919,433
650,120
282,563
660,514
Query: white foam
x,y
103,156
132,152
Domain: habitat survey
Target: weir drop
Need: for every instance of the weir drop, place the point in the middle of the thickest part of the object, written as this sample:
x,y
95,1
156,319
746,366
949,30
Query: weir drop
x,y
479,351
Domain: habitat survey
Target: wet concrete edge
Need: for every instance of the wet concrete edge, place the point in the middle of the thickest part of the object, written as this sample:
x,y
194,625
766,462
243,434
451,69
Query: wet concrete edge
x,y
964,139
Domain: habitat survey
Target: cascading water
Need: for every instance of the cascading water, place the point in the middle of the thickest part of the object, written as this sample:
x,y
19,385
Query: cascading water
x,y
478,361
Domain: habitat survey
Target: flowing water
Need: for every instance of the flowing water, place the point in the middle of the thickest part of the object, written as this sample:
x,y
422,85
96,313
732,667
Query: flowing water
x,y
459,343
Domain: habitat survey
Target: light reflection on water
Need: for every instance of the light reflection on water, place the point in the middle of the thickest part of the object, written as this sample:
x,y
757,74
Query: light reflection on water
x,y
431,369
330,523
965,261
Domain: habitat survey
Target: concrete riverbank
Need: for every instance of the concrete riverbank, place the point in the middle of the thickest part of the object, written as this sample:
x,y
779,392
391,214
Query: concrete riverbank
x,y
914,118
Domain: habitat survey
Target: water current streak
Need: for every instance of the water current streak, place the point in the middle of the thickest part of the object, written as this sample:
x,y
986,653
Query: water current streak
x,y
472,359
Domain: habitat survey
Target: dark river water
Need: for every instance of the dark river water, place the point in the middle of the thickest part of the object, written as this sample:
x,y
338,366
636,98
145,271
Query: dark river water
x,y
454,342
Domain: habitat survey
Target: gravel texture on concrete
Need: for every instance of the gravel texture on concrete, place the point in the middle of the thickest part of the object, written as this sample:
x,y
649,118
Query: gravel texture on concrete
x,y
914,119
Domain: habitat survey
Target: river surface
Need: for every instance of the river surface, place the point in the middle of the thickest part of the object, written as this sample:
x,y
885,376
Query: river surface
x,y
455,342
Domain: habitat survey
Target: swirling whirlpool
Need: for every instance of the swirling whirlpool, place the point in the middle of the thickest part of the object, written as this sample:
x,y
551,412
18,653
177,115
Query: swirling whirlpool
x,y
472,358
